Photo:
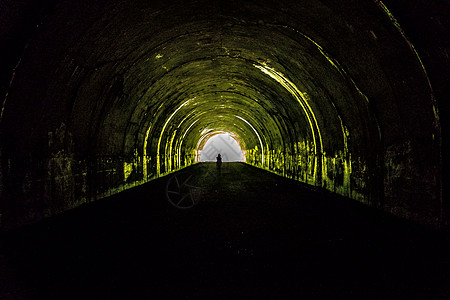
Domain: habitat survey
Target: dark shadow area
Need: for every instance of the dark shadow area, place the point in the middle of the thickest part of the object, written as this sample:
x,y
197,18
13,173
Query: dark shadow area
x,y
253,235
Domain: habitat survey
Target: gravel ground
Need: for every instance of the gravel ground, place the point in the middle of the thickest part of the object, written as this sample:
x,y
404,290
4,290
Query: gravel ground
x,y
251,235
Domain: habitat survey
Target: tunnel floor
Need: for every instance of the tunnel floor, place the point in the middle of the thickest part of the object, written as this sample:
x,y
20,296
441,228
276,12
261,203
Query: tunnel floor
x,y
253,235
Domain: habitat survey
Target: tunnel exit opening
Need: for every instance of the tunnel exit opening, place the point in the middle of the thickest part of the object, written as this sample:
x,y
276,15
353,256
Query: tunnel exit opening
x,y
220,142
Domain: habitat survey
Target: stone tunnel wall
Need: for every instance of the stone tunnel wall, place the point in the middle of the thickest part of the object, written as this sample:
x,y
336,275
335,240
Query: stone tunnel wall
x,y
406,190
33,189
337,173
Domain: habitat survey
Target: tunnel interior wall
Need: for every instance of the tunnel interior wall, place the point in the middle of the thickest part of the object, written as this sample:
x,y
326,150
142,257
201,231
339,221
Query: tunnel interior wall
x,y
34,189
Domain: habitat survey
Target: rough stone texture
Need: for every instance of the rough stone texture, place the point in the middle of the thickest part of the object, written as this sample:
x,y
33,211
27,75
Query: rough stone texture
x,y
108,94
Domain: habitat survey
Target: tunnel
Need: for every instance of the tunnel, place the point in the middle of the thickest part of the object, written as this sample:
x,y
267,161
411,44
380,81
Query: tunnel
x,y
331,118
102,96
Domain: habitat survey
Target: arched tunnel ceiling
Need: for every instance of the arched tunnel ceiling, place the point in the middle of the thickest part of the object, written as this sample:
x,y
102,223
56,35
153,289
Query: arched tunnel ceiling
x,y
324,80
136,58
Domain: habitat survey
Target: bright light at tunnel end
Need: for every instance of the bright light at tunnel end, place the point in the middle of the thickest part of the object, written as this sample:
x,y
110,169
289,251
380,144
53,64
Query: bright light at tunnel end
x,y
223,143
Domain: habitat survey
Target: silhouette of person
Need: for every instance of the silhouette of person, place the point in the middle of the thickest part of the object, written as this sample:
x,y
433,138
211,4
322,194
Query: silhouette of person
x,y
219,164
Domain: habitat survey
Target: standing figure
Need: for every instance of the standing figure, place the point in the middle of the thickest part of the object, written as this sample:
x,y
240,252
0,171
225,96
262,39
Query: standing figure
x,y
219,164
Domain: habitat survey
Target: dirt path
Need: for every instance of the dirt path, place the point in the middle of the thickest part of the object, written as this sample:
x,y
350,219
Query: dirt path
x,y
252,235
